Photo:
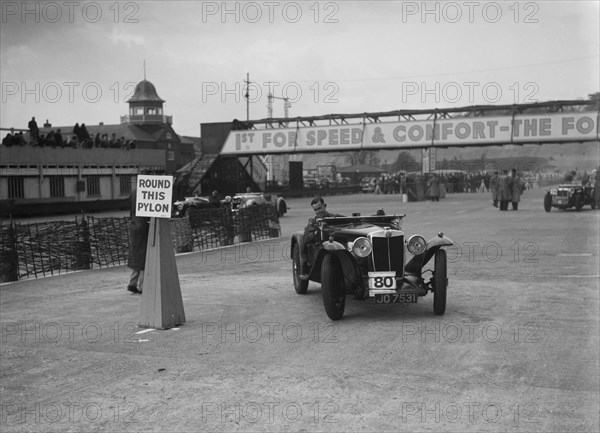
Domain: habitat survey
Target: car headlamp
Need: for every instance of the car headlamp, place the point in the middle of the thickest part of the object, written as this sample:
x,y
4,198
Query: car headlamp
x,y
361,247
179,206
416,244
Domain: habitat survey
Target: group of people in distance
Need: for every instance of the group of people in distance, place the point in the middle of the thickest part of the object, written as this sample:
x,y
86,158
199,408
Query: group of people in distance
x,y
506,187
79,138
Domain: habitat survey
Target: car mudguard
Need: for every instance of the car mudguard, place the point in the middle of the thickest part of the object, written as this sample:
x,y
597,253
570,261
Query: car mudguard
x,y
281,201
350,269
295,240
416,263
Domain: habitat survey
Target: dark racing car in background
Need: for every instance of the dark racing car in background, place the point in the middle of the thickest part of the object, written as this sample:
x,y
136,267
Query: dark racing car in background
x,y
239,201
247,199
368,257
182,207
569,195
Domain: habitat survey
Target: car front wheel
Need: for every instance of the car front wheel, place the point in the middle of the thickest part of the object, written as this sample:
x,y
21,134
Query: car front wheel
x,y
301,286
440,283
332,284
547,202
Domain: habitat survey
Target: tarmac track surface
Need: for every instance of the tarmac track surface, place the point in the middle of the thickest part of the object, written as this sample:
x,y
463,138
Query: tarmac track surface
x,y
517,350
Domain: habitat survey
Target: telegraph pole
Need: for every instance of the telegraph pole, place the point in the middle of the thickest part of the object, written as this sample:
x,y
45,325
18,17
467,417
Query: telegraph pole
x,y
247,96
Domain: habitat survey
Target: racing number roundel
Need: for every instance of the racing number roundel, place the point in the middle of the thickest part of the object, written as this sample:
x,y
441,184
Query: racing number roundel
x,y
383,282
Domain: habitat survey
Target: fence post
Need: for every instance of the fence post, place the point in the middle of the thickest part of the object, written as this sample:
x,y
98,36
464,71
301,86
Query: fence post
x,y
272,218
83,247
9,262
228,223
245,230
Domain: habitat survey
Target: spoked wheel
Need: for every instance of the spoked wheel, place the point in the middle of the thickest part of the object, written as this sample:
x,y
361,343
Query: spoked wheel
x,y
547,202
301,286
440,283
332,284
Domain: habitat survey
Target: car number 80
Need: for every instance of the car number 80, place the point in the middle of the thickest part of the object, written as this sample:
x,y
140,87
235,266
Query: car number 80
x,y
382,280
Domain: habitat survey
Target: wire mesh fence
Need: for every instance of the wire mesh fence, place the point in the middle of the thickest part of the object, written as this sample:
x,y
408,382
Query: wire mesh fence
x,y
51,248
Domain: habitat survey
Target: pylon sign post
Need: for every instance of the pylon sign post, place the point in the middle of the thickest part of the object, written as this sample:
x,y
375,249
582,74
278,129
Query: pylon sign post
x,y
162,305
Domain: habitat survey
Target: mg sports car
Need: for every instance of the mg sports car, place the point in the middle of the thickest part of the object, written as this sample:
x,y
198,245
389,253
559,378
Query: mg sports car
x,y
565,196
370,258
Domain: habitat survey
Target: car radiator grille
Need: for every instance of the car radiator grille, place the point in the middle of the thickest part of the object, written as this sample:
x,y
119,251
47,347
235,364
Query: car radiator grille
x,y
388,253
562,193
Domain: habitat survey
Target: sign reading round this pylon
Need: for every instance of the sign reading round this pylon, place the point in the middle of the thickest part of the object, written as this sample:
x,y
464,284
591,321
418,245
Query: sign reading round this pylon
x,y
153,196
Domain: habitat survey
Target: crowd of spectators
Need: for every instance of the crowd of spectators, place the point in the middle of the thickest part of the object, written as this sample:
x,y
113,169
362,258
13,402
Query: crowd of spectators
x,y
453,181
79,137
585,178
14,139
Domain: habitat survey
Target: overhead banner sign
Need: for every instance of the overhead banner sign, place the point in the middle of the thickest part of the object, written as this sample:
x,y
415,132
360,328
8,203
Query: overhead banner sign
x,y
153,196
463,131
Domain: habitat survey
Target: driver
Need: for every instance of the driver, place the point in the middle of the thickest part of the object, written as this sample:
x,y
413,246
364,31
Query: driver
x,y
311,232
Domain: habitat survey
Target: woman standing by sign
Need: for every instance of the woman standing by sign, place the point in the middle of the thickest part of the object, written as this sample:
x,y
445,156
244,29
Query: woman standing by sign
x,y
138,241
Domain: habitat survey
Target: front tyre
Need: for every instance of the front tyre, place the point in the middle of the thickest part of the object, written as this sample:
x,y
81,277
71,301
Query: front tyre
x,y
547,202
440,283
301,286
332,284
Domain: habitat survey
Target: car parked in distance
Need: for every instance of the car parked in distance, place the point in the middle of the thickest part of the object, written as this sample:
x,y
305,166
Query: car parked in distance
x,y
182,207
569,195
247,199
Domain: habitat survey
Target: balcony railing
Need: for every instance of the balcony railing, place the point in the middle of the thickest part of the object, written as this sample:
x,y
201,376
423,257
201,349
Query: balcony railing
x,y
28,156
147,118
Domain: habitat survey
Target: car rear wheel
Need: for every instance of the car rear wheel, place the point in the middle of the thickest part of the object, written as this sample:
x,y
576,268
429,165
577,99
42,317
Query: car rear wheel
x,y
332,284
282,209
547,202
578,203
440,283
301,286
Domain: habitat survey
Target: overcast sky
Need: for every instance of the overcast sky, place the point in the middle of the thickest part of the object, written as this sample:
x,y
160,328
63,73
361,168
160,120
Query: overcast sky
x,y
79,61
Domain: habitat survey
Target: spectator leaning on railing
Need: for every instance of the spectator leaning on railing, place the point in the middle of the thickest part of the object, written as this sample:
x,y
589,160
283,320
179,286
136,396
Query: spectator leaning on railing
x,y
76,137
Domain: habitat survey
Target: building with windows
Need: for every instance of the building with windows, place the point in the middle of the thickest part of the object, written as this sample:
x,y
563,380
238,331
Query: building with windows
x,y
94,172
